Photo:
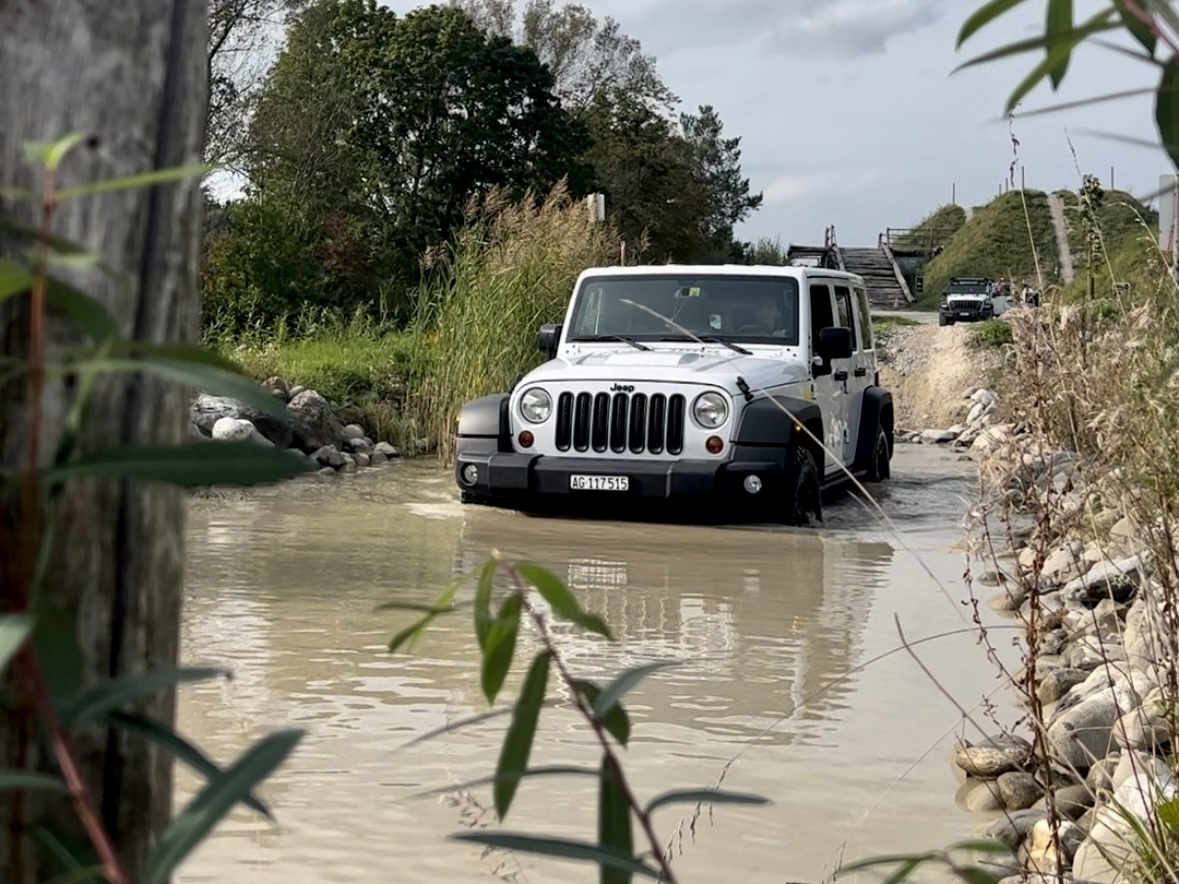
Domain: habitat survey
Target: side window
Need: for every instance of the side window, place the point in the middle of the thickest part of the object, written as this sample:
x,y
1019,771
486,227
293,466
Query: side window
x,y
847,317
821,314
866,332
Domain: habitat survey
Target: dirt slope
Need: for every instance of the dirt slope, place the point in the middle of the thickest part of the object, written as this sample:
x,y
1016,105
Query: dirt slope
x,y
928,368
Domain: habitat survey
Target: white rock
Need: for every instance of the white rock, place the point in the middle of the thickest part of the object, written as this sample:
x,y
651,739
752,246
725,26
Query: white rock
x,y
354,431
1145,782
938,437
235,429
992,438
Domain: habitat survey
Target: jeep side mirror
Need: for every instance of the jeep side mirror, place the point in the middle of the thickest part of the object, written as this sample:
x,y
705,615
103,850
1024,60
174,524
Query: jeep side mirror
x,y
835,343
550,336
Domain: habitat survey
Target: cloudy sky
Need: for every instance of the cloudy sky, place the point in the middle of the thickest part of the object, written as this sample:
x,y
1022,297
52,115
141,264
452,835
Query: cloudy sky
x,y
849,113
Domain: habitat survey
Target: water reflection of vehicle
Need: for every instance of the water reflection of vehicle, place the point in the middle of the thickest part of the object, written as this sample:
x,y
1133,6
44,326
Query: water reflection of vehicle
x,y
758,620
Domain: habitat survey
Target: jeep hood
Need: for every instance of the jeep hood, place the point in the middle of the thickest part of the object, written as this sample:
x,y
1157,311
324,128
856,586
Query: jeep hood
x,y
674,366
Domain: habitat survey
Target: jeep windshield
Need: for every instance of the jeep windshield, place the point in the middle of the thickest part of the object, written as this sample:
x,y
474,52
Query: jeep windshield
x,y
710,308
970,288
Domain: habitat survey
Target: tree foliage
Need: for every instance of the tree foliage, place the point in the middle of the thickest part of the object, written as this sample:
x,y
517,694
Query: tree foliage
x,y
242,33
371,134
374,133
587,58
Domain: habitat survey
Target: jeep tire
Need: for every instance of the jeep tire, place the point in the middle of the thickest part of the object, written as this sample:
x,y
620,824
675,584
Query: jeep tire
x,y
804,501
942,320
879,467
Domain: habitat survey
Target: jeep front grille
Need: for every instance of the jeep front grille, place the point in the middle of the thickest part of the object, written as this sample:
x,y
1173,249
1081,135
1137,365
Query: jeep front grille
x,y
974,306
620,422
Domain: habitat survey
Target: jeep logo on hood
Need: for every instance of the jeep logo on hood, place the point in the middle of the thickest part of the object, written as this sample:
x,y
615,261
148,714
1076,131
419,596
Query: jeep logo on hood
x,y
622,388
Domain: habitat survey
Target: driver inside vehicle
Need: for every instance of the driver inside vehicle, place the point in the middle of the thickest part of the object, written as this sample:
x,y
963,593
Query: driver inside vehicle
x,y
769,320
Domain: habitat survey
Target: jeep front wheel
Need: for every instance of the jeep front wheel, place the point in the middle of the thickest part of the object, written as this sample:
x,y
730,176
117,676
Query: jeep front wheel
x,y
880,468
804,500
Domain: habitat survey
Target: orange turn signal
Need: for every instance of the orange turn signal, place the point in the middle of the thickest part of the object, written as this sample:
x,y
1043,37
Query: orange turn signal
x,y
715,444
525,439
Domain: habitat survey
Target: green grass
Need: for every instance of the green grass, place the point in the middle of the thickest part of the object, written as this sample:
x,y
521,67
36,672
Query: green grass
x,y
1121,218
509,271
997,244
990,333
882,326
935,229
363,374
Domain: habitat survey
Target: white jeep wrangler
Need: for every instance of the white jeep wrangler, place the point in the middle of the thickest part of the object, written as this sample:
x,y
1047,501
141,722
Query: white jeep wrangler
x,y
748,386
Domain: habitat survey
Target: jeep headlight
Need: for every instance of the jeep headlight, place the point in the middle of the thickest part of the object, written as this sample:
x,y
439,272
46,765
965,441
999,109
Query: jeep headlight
x,y
536,405
710,410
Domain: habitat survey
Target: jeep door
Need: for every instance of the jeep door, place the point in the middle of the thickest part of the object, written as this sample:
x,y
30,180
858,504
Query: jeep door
x,y
828,380
851,311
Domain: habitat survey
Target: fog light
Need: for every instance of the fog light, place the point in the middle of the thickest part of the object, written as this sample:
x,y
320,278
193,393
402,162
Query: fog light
x,y
470,474
525,439
752,484
715,444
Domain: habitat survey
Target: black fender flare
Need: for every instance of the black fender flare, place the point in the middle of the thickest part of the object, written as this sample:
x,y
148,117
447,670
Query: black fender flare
x,y
875,411
778,421
485,418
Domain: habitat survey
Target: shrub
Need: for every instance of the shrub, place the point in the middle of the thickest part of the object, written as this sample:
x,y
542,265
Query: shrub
x,y
509,270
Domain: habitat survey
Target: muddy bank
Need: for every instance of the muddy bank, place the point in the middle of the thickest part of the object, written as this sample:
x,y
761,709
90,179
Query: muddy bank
x,y
928,367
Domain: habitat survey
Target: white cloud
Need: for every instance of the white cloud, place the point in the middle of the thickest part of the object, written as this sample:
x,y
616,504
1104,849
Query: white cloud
x,y
787,189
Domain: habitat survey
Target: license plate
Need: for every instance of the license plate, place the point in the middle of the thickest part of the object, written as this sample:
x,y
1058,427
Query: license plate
x,y
599,483
964,313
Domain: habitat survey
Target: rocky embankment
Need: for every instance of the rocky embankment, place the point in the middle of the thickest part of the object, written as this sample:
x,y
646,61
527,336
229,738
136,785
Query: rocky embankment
x,y
1102,626
311,426
1099,612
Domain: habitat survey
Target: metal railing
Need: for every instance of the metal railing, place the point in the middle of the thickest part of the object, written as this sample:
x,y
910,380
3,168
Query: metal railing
x,y
928,238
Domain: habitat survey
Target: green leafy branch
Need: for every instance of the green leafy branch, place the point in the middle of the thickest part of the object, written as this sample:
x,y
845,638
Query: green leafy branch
x,y
907,864
37,640
619,808
1153,24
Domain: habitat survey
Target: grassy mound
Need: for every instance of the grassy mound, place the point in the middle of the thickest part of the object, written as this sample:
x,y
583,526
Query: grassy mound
x,y
1002,240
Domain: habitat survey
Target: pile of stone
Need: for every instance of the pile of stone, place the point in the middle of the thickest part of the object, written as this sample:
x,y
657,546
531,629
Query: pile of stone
x,y
310,426
978,408
1106,642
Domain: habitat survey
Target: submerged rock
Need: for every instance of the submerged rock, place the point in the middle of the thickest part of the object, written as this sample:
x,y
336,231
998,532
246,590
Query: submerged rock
x,y
1013,827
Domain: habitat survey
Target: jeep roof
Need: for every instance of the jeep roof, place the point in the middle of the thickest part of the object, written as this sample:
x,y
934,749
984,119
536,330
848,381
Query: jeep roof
x,y
719,270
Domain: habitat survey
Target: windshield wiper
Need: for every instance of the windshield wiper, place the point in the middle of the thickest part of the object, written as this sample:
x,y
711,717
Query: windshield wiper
x,y
713,339
623,338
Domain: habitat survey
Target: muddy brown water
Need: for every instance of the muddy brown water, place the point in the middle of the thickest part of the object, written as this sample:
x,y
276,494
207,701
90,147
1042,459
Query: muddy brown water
x,y
764,621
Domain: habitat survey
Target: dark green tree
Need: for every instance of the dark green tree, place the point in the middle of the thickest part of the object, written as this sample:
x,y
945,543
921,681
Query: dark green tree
x,y
645,168
716,161
373,132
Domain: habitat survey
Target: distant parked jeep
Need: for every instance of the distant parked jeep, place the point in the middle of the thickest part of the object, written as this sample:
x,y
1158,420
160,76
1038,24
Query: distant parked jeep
x,y
968,299
754,388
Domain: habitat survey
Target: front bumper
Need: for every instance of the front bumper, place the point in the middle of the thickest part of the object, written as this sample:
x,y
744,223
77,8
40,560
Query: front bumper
x,y
959,315
537,477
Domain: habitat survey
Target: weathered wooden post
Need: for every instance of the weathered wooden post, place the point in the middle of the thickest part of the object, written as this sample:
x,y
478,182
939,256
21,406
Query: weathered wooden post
x,y
132,76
